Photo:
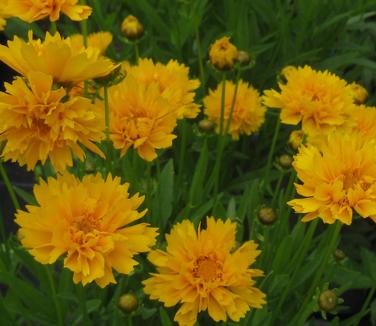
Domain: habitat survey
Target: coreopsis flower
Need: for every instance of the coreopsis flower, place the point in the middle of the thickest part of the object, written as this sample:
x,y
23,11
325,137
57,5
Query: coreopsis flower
x,y
38,122
248,112
204,270
223,54
91,223
319,100
337,179
140,118
55,56
358,92
33,10
132,28
173,82
99,40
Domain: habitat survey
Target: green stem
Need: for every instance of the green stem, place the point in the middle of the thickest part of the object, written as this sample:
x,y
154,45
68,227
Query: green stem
x,y
271,152
237,78
223,98
82,299
107,130
182,150
9,187
53,28
200,61
299,317
296,262
136,52
54,296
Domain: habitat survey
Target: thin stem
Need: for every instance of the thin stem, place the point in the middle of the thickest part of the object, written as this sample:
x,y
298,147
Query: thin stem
x,y
54,296
223,98
82,299
53,28
200,61
330,249
136,52
233,101
182,150
107,130
9,187
271,152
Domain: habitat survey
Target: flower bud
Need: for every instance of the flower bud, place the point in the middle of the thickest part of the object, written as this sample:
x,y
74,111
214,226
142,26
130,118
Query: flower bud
x,y
243,58
206,126
339,255
328,300
113,78
286,71
132,28
223,54
296,139
267,215
359,93
285,161
128,302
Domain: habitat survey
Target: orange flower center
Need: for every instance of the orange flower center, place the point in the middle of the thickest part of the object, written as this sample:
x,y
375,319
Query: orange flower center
x,y
207,269
87,223
349,180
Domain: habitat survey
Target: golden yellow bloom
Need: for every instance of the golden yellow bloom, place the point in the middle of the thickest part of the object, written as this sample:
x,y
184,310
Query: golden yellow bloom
x,y
140,117
204,270
38,123
248,114
90,222
296,139
358,92
132,28
339,178
56,57
100,41
173,82
320,100
223,54
33,10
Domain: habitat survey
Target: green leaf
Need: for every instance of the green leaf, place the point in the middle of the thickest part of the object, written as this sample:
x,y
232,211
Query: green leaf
x,y
27,197
197,186
369,262
166,193
165,319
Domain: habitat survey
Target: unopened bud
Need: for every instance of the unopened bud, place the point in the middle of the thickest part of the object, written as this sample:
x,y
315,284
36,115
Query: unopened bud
x,y
206,126
128,302
132,28
328,300
339,255
267,215
223,54
359,93
243,58
285,161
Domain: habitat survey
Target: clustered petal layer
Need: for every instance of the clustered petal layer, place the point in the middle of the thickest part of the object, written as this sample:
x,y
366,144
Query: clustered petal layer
x,y
33,10
204,270
90,222
39,122
173,83
248,112
337,179
55,56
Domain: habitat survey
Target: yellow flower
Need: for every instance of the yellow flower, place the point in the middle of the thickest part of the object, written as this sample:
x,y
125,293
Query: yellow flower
x,y
33,10
100,41
204,270
320,100
296,139
140,117
90,222
38,123
132,28
358,92
223,54
248,114
339,178
173,82
56,57
365,121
